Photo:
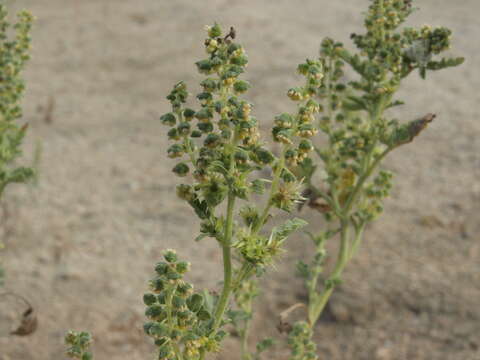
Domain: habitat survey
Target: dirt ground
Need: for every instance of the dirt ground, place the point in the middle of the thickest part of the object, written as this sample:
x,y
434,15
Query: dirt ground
x,y
81,243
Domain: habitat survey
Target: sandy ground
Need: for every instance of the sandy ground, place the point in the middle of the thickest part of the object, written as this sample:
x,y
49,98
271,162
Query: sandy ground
x,y
81,243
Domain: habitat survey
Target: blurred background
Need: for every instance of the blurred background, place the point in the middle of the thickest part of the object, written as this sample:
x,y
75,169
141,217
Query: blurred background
x,y
81,242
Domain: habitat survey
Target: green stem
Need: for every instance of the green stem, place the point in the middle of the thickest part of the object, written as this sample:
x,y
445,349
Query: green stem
x,y
318,304
273,190
168,304
227,264
244,335
351,199
356,241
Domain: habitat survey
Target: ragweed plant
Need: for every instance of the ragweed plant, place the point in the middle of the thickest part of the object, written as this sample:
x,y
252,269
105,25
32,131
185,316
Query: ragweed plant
x,y
343,181
14,53
217,146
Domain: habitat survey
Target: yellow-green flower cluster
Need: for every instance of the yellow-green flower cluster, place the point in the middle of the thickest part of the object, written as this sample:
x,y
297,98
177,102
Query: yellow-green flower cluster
x,y
300,342
179,319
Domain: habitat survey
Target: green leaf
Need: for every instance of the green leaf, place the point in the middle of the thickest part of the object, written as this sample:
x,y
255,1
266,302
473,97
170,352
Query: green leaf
x,y
258,186
281,232
265,344
210,301
354,103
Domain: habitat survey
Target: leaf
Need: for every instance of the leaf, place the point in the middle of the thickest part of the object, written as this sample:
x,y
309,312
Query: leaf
x,y
218,166
354,103
395,103
281,232
210,301
445,63
303,270
201,237
265,344
258,186
238,315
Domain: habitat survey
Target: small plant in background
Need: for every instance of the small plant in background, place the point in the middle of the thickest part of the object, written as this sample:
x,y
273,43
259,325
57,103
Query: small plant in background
x,y
217,145
14,53
343,182
78,345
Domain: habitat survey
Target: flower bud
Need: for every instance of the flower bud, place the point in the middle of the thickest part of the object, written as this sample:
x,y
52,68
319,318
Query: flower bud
x,y
183,128
306,130
305,146
205,127
212,141
204,114
182,267
263,156
157,285
241,86
184,288
170,256
181,169
174,151
149,299
173,134
154,311
161,268
209,85
206,97
284,121
295,94
240,60
204,66
168,119
185,192
188,114
158,330
196,134
214,31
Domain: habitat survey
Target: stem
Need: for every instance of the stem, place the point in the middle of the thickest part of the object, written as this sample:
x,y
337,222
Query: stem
x,y
273,190
351,199
245,333
227,263
356,241
168,304
177,351
318,304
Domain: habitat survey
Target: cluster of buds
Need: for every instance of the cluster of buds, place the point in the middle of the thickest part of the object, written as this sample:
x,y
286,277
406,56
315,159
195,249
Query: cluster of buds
x,y
223,119
179,319
78,344
220,145
295,131
375,192
300,342
260,250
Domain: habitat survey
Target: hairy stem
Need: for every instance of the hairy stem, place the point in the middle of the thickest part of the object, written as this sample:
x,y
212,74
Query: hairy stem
x,y
227,264
318,304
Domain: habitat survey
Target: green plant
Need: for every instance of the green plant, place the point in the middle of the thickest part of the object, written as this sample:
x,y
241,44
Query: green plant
x,y
14,53
358,133
218,146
